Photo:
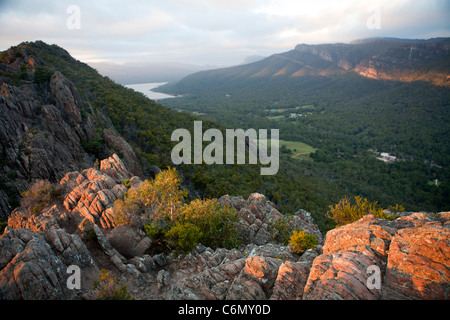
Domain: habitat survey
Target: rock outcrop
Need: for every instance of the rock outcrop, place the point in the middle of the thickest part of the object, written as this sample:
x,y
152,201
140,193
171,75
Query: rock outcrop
x,y
410,256
93,192
257,213
371,259
34,265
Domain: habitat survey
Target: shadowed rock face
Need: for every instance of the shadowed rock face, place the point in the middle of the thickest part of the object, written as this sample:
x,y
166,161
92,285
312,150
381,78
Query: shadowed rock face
x,y
408,258
34,265
44,129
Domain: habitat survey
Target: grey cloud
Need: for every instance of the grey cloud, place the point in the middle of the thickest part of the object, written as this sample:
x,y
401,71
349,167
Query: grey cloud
x,y
217,32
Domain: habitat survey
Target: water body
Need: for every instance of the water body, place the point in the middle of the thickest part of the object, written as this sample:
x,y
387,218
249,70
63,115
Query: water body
x,y
146,88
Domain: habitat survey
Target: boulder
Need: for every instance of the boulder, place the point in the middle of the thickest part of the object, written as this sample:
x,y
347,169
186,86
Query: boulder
x,y
257,214
418,264
368,232
34,266
342,276
115,143
410,255
130,241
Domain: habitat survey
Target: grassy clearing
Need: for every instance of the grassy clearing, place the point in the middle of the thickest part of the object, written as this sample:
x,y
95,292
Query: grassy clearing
x,y
307,107
301,151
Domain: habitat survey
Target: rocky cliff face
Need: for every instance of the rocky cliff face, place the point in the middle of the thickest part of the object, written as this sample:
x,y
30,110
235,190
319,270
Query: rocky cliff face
x,y
45,127
408,258
385,59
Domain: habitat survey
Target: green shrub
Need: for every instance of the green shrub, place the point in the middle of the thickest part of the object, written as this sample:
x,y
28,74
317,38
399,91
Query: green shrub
x,y
301,241
107,287
394,211
345,212
158,199
217,223
155,229
280,230
127,183
42,74
161,205
184,237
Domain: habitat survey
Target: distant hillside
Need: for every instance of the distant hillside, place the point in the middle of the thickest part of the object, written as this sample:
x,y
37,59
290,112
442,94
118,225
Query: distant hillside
x,y
386,59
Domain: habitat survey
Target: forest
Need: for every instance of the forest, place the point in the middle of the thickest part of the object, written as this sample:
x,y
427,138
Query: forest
x,y
344,124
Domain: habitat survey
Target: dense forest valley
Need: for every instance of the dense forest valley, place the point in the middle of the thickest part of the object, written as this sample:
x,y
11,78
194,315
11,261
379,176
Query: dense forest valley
x,y
340,135
332,131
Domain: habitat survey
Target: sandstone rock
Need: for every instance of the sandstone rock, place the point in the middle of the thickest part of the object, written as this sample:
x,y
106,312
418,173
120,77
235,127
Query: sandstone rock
x,y
162,279
129,240
293,276
49,218
32,268
46,152
214,283
411,253
261,272
290,281
303,220
115,143
5,207
257,213
115,168
342,276
419,262
92,192
250,273
145,263
269,250
42,130
67,100
368,232
115,256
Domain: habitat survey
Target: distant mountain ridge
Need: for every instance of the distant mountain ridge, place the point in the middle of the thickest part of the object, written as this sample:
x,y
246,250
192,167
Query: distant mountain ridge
x,y
379,58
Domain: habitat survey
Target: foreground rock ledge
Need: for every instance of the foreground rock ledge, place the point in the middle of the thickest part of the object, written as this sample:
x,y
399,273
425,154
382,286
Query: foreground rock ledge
x,y
411,253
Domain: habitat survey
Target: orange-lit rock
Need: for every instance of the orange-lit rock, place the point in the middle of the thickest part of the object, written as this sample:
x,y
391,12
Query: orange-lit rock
x,y
419,262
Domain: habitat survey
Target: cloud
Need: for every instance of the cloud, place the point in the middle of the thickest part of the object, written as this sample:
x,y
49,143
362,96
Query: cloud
x,y
219,32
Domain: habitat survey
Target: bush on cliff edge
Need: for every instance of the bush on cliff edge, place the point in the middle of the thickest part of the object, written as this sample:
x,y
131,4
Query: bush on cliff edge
x,y
162,205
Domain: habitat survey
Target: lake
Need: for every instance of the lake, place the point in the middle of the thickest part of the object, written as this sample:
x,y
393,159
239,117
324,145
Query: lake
x,y
146,88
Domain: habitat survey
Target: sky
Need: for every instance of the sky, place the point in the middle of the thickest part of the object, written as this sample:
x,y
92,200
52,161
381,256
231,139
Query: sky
x,y
211,32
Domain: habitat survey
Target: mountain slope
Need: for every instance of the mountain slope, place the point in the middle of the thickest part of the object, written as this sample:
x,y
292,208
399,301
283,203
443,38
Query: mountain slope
x,y
387,59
